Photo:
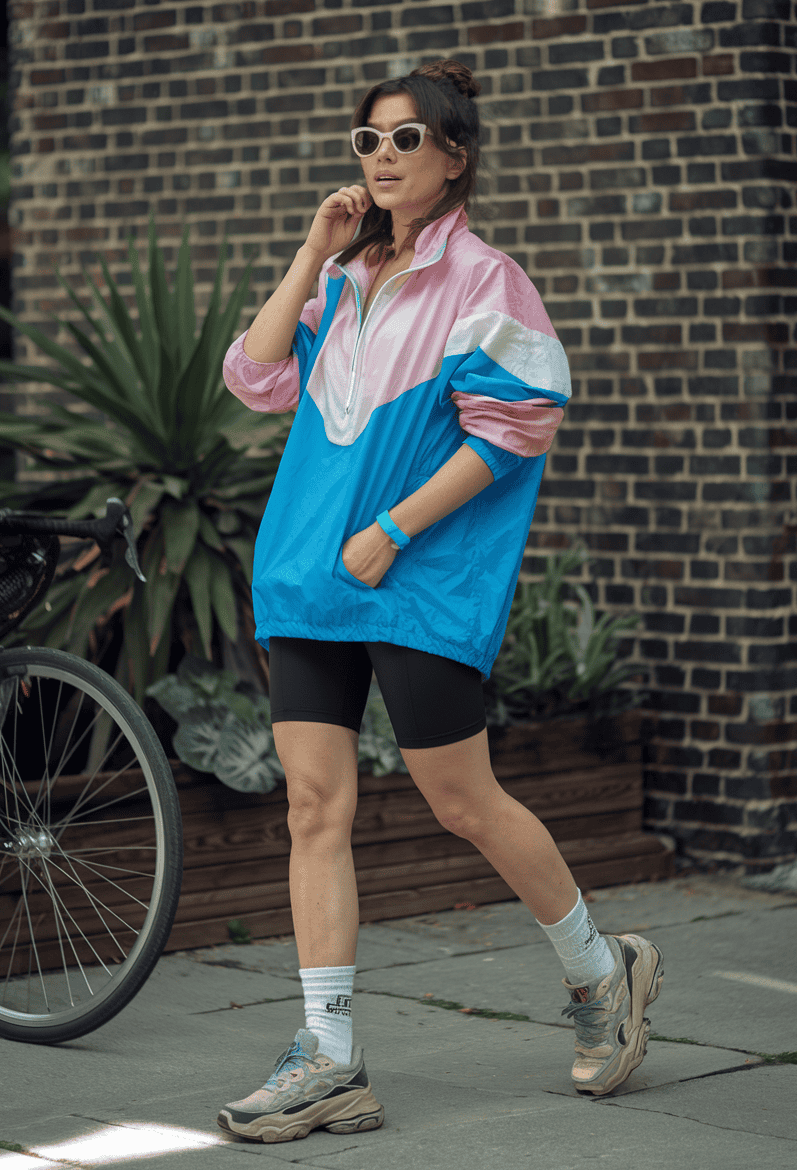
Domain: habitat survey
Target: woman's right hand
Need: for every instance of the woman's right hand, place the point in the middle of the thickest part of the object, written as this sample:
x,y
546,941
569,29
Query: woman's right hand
x,y
336,221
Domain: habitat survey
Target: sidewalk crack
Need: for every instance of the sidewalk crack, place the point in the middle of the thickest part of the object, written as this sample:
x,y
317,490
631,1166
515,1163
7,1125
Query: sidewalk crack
x,y
618,1104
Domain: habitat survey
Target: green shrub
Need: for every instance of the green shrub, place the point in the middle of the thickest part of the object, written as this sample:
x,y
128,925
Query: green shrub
x,y
164,434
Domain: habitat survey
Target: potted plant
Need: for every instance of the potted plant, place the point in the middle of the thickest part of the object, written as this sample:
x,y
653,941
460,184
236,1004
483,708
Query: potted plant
x,y
163,433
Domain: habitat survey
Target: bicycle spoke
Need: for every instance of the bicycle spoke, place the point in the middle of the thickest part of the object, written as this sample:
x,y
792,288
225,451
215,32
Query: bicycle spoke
x,y
81,800
99,807
110,882
58,923
82,934
98,865
96,903
34,950
18,915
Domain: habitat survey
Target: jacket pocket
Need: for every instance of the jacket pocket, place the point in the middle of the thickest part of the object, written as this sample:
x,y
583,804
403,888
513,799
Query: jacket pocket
x,y
347,576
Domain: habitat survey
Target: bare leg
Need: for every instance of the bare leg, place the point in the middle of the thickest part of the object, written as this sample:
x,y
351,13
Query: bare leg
x,y
458,781
320,762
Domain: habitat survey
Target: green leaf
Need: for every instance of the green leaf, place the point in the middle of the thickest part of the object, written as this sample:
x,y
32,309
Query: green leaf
x,y
94,603
161,596
177,698
245,552
149,349
209,533
184,298
196,741
197,575
242,759
180,520
222,597
143,501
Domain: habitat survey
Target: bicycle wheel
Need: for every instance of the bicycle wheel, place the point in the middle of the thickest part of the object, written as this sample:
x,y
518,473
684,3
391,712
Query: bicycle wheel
x,y
90,847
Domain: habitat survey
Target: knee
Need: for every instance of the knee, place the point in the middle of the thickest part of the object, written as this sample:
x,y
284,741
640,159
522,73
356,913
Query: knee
x,y
460,819
314,811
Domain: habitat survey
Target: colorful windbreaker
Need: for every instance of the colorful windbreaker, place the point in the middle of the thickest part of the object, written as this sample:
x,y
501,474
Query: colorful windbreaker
x,y
458,342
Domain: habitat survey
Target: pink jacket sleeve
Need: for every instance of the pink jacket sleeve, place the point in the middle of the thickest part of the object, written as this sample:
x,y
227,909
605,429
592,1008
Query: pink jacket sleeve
x,y
274,386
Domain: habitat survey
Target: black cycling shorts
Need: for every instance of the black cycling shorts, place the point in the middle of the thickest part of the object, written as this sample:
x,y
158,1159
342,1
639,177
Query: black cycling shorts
x,y
431,700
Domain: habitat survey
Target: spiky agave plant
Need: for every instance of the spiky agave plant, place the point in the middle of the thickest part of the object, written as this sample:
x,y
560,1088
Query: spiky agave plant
x,y
163,433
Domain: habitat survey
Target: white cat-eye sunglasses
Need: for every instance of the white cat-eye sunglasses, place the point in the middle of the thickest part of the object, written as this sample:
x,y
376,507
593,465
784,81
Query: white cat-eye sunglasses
x,y
406,139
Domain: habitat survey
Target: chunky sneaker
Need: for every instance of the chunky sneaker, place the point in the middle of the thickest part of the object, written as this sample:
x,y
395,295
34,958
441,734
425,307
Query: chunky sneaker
x,y
306,1091
611,1028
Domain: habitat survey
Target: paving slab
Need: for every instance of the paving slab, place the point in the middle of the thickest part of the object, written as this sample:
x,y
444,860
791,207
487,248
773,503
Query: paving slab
x,y
750,1101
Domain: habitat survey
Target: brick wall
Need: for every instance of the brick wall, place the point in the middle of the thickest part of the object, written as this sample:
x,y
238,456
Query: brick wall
x,y
640,167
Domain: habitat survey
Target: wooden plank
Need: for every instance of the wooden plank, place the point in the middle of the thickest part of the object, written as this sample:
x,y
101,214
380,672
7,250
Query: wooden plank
x,y
404,903
238,901
241,834
199,876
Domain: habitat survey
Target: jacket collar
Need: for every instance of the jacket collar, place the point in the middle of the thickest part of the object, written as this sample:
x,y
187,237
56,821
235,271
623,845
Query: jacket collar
x,y
429,247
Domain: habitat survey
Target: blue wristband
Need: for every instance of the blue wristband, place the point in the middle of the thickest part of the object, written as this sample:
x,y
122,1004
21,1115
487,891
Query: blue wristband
x,y
384,522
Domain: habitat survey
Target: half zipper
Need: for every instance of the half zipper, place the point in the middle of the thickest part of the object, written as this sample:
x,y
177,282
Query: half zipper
x,y
362,324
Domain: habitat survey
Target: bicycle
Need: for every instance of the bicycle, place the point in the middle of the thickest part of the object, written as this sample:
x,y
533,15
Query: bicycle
x,y
90,830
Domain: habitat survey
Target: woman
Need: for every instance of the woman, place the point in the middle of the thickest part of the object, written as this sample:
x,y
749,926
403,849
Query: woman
x,y
389,544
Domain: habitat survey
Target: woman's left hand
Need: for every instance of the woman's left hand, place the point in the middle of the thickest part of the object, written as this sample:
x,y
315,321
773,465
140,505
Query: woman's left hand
x,y
368,555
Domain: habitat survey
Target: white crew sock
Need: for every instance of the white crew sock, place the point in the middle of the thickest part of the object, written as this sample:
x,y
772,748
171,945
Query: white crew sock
x,y
327,1009
584,952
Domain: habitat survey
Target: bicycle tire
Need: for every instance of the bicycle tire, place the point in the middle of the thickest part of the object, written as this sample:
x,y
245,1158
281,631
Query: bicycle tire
x,y
60,843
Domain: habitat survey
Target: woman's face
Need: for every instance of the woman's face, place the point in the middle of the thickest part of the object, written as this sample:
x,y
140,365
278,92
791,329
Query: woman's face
x,y
422,175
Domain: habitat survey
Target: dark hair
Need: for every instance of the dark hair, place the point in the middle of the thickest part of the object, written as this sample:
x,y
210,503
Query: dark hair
x,y
442,92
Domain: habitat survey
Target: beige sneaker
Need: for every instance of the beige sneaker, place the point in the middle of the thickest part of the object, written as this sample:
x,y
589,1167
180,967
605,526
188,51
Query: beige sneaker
x,y
306,1091
611,1027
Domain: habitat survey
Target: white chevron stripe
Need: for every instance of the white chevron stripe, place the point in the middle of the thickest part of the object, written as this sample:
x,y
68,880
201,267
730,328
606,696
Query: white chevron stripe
x,y
533,357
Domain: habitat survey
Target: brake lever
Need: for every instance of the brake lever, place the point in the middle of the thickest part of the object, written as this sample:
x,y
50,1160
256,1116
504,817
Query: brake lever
x,y
125,527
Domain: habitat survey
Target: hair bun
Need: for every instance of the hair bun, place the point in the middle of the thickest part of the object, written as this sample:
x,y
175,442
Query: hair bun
x,y
454,71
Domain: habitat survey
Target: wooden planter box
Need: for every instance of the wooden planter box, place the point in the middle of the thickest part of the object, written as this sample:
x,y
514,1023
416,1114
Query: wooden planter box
x,y
584,783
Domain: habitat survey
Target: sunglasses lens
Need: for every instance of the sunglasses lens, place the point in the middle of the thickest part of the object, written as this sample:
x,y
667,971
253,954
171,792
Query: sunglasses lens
x,y
365,142
407,139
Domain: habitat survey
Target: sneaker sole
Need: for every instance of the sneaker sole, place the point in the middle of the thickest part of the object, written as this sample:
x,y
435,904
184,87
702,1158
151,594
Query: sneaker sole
x,y
634,1051
356,1116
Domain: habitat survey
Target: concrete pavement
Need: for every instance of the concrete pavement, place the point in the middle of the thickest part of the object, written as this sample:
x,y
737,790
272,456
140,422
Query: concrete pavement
x,y
461,1089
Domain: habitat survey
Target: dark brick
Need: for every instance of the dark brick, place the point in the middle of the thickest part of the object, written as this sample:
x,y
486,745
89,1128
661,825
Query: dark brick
x,y
707,598
617,464
767,599
719,386
774,655
760,89
671,542
653,648
673,700
665,491
560,79
716,11
619,595
748,787
708,651
704,623
765,62
83,50
664,623
762,680
715,812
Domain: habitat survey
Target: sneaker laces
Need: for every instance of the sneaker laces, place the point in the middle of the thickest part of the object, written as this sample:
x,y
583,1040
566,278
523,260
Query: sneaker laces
x,y
591,1020
287,1062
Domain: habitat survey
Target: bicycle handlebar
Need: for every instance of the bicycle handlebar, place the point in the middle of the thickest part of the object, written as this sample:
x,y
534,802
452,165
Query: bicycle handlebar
x,y
117,518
